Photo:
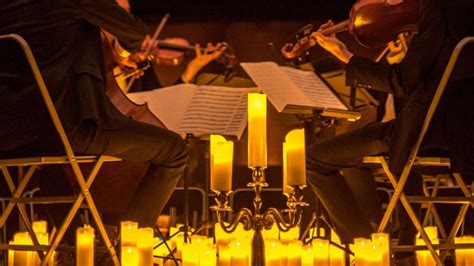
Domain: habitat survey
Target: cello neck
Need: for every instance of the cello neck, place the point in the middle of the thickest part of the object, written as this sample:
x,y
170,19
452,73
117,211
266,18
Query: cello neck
x,y
339,27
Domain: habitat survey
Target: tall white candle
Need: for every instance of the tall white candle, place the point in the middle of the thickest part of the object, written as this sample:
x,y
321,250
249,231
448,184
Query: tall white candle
x,y
85,246
221,163
145,246
296,158
382,242
128,233
257,130
321,252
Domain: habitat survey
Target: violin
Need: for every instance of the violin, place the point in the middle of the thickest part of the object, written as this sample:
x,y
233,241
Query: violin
x,y
373,23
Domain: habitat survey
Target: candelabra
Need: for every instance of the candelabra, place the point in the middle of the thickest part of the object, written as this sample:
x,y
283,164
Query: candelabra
x,y
258,221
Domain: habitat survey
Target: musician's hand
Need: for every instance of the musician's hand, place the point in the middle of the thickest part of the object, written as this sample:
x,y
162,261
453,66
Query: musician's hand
x,y
202,59
332,44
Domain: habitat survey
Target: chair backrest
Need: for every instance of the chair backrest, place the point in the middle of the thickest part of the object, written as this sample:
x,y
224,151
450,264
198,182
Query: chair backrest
x,y
43,91
461,66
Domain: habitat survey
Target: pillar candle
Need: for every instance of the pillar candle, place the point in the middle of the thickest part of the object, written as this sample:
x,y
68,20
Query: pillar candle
x,y
22,258
307,256
382,242
221,163
190,255
296,158
11,254
292,234
145,246
129,256
286,188
336,255
128,233
321,252
85,246
271,233
295,252
273,252
224,255
460,253
208,257
257,130
469,253
239,253
362,251
40,226
424,257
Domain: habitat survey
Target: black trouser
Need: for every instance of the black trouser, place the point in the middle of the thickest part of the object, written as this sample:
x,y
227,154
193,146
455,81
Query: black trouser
x,y
139,142
327,158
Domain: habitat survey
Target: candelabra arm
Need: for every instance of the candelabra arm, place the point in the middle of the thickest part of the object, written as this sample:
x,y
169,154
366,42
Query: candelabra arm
x,y
244,216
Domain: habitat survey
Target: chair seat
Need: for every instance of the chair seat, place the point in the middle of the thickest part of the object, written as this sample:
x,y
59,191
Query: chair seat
x,y
42,160
419,161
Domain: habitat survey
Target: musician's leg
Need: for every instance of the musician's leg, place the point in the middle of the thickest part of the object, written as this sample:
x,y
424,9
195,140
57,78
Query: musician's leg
x,y
324,162
165,150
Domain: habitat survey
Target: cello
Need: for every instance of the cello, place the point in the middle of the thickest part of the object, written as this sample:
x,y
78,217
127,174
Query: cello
x,y
373,23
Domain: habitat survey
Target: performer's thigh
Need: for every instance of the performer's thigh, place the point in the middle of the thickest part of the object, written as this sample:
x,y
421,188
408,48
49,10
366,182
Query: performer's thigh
x,y
347,150
136,141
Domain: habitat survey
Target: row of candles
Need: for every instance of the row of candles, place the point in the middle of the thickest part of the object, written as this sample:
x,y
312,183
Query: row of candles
x,y
294,166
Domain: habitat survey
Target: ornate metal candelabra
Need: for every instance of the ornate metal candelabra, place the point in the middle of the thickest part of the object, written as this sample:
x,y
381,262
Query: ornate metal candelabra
x,y
258,221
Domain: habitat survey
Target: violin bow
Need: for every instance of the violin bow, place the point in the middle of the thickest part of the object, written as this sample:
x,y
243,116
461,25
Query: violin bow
x,y
148,48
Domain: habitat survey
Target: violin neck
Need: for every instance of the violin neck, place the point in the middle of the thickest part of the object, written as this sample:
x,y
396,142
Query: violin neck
x,y
163,44
339,27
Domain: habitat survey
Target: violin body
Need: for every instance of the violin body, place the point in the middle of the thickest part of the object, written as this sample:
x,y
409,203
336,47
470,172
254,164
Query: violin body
x,y
376,23
373,23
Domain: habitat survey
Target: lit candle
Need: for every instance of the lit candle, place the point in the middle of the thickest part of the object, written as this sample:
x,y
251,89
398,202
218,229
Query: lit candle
x,y
22,257
208,257
336,255
362,250
11,254
469,253
222,237
271,233
41,231
190,255
85,246
239,253
221,163
292,234
295,250
273,252
129,256
296,158
145,246
224,255
40,226
321,252
257,130
128,233
286,188
382,242
460,253
424,256
307,256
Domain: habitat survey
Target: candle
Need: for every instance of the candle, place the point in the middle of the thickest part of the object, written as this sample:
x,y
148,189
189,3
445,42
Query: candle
x,y
129,256
221,163
271,233
286,189
222,238
85,246
22,258
424,257
239,253
190,255
145,246
307,256
295,250
128,233
382,242
292,234
224,255
460,253
321,252
40,226
336,255
257,130
208,257
296,158
362,249
469,253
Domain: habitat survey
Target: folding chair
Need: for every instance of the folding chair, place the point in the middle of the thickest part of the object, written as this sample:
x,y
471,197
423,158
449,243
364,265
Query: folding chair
x,y
27,166
415,160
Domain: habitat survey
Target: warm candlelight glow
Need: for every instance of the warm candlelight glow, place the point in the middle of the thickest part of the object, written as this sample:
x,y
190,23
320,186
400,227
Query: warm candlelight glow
x,y
145,246
321,252
469,253
129,256
22,257
221,163
128,233
296,158
286,188
382,242
336,255
257,130
85,246
40,226
424,256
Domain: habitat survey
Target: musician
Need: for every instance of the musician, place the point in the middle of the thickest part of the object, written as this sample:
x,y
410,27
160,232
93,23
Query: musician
x,y
65,38
441,24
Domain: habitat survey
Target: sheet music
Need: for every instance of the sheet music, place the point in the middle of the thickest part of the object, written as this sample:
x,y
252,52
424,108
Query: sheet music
x,y
287,86
187,108
278,86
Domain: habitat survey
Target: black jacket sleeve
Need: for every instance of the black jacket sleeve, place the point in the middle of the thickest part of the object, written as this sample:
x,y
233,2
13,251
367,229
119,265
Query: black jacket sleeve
x,y
108,15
